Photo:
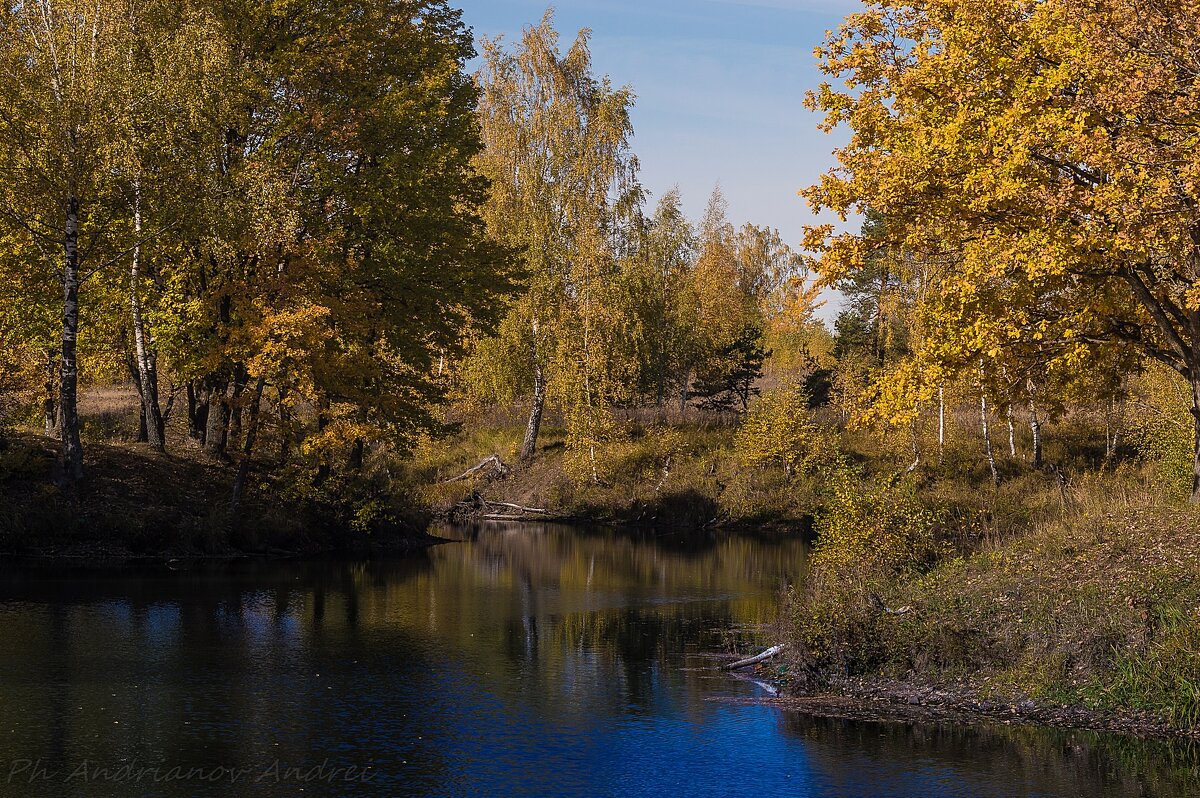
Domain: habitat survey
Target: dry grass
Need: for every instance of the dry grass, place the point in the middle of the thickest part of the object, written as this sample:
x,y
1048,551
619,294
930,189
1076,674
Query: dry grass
x,y
109,413
1084,594
654,473
1101,606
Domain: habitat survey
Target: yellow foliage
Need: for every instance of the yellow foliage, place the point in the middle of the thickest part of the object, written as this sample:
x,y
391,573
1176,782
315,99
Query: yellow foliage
x,y
1038,161
779,431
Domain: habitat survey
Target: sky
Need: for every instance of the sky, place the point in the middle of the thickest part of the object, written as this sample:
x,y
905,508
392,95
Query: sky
x,y
720,88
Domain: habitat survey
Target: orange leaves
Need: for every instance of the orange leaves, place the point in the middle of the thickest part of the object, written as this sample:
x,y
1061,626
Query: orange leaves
x,y
287,336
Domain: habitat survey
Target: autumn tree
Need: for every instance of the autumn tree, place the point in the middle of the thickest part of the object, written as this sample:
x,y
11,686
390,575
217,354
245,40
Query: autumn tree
x,y
745,282
563,187
60,102
259,199
657,318
872,319
1040,156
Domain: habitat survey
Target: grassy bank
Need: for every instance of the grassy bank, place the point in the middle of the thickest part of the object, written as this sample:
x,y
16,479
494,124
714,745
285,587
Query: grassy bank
x,y
137,502
1097,608
1035,594
679,473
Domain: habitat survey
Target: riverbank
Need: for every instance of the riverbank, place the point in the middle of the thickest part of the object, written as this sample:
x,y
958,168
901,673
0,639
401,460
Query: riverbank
x,y
1067,592
1071,588
680,476
136,505
879,699
1088,617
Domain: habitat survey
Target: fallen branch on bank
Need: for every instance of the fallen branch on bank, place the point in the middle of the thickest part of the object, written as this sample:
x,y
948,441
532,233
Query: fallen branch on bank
x,y
487,510
504,517
518,507
878,604
746,663
497,465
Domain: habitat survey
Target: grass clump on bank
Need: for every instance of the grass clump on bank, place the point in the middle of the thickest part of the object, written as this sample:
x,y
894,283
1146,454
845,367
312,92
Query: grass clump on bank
x,y
1092,600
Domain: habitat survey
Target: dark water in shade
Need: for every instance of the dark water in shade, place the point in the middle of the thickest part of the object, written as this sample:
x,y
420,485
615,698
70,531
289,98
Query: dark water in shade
x,y
533,660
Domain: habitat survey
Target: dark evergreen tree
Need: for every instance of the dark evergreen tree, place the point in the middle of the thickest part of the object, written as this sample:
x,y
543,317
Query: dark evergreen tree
x,y
729,380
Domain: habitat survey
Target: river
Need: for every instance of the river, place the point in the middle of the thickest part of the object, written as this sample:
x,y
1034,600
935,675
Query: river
x,y
531,660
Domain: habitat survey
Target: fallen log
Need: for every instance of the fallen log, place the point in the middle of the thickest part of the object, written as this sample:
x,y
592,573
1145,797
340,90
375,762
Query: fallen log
x,y
498,467
519,518
518,507
745,663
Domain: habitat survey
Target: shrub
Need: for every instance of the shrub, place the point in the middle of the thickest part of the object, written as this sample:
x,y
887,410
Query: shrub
x,y
779,430
1162,431
869,536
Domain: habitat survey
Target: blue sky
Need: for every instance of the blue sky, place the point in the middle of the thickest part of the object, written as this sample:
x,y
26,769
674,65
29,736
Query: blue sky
x,y
720,87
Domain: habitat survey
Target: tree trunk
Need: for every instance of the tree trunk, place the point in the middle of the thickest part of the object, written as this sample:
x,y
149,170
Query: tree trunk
x,y
72,446
987,435
131,366
216,433
323,468
50,411
683,391
197,397
1195,497
880,330
239,482
529,445
143,435
916,444
1035,426
1112,429
143,357
1012,433
660,380
748,661
941,426
354,462
235,402
285,426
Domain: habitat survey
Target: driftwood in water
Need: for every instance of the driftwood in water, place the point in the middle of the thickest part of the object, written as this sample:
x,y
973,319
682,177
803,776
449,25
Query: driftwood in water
x,y
487,510
516,512
504,517
745,663
497,465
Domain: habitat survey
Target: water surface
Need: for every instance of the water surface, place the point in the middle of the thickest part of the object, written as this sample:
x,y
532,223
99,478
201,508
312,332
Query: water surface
x,y
529,660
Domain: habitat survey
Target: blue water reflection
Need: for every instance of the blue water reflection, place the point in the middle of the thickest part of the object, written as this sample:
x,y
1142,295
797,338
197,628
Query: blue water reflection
x,y
524,661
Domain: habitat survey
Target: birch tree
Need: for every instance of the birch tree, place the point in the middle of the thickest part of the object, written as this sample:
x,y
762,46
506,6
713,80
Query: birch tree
x,y
60,106
557,153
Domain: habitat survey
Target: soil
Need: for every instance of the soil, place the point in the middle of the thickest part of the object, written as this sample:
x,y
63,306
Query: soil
x,y
892,700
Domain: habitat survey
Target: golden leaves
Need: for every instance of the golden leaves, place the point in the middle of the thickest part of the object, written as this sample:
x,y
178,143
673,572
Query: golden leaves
x,y
1031,153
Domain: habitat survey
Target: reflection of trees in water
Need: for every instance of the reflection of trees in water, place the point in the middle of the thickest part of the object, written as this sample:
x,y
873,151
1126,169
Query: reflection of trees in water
x,y
552,554
209,662
218,663
588,619
993,760
213,665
